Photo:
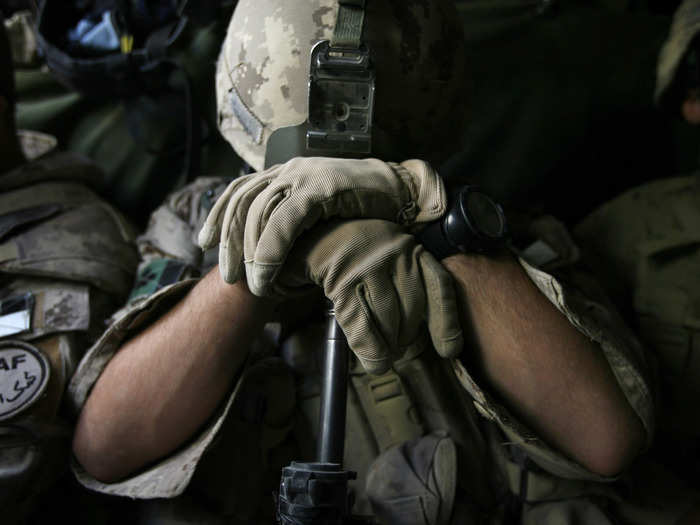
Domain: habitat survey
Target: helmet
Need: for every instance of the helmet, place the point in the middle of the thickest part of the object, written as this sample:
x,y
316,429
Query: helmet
x,y
416,49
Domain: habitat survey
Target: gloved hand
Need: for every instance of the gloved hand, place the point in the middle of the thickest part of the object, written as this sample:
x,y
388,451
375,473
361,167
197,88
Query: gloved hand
x,y
383,285
258,217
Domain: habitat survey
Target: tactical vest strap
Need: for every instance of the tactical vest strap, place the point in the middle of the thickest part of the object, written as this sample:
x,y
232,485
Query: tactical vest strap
x,y
391,413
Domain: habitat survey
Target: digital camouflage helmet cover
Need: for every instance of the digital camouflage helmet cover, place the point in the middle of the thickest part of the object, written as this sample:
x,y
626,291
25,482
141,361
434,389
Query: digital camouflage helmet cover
x,y
417,54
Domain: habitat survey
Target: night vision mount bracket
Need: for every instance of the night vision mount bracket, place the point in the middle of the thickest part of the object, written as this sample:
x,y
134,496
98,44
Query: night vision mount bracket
x,y
341,101
340,97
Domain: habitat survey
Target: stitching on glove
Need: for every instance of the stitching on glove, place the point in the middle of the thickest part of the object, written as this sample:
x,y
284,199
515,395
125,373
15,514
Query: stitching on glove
x,y
408,213
364,300
272,205
408,181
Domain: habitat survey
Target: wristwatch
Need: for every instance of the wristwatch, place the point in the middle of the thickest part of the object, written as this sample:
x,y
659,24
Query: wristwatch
x,y
474,222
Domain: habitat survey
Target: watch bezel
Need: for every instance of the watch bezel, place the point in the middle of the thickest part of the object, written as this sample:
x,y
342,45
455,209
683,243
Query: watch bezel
x,y
463,231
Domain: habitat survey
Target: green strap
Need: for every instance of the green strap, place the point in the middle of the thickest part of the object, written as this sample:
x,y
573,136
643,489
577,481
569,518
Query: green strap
x,y
348,26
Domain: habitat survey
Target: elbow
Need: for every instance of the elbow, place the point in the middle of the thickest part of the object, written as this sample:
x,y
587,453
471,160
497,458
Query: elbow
x,y
97,454
617,445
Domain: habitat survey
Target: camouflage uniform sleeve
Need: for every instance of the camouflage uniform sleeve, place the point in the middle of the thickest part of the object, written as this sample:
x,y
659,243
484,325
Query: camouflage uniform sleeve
x,y
170,265
685,25
593,315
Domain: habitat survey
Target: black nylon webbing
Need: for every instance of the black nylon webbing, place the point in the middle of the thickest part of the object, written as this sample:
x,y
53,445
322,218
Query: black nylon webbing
x,y
349,23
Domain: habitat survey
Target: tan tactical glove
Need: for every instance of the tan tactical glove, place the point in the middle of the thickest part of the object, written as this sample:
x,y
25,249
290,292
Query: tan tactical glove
x,y
259,216
383,285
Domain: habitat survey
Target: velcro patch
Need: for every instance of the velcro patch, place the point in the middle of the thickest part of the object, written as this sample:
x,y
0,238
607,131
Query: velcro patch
x,y
24,374
251,124
16,314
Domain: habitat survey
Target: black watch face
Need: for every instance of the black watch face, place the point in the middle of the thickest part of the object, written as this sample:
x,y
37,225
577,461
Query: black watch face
x,y
485,216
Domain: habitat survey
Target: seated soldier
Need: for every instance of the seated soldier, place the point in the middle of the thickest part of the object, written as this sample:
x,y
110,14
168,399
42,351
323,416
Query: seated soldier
x,y
182,392
645,246
67,260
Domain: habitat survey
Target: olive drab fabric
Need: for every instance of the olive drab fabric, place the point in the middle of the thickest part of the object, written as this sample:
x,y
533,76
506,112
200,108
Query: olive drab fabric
x,y
67,261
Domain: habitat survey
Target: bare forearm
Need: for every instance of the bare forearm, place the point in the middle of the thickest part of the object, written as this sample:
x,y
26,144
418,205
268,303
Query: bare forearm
x,y
547,372
163,384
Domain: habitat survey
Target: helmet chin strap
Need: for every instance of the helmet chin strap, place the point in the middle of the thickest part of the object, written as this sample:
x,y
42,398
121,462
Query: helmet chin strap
x,y
349,24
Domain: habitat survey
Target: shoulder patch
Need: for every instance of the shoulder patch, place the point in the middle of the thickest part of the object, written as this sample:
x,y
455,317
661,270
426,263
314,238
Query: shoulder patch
x,y
24,374
155,275
251,123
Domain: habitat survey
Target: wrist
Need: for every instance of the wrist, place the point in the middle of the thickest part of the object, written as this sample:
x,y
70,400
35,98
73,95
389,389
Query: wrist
x,y
237,297
473,268
473,223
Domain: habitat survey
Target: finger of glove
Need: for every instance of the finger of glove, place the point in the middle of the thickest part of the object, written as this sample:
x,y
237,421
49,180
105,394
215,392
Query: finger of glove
x,y
368,320
210,233
261,274
233,226
430,194
311,190
442,313
408,282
